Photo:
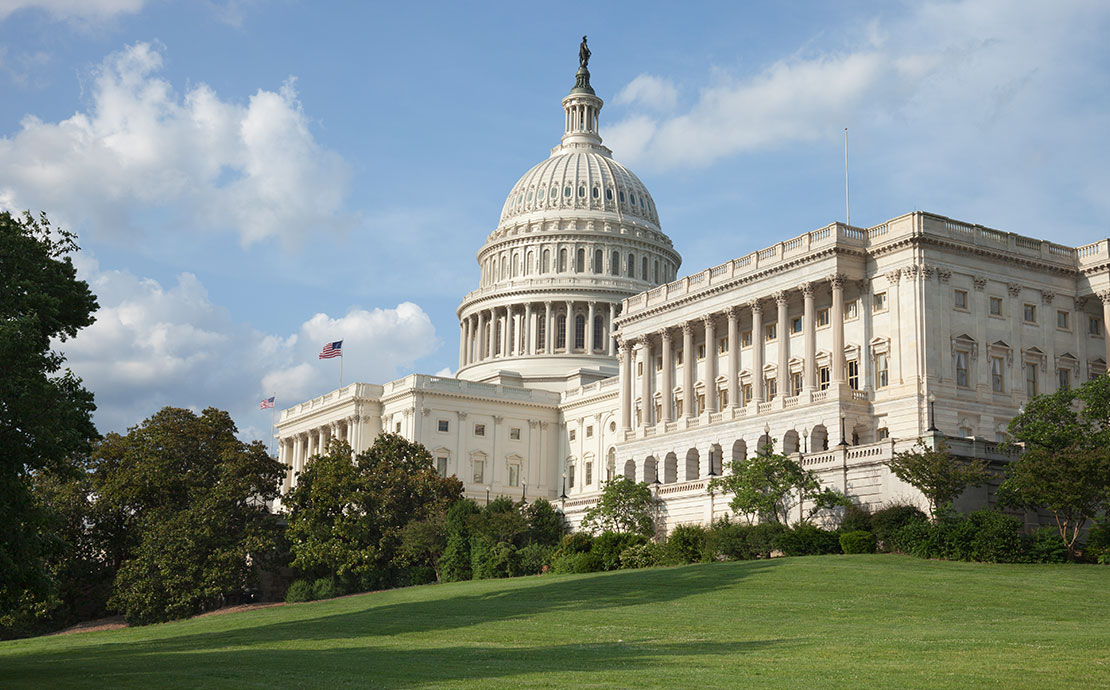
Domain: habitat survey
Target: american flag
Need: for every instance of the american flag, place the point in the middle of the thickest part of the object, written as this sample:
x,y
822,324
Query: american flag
x,y
267,403
332,350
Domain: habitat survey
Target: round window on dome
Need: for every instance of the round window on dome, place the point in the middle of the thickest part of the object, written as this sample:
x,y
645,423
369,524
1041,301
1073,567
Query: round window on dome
x,y
596,193
608,194
581,192
566,192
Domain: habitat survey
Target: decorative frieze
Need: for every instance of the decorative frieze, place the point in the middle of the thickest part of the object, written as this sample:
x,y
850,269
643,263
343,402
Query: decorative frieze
x,y
1014,289
980,283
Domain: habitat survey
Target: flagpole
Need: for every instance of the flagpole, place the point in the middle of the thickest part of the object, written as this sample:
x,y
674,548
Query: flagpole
x,y
273,411
340,369
847,208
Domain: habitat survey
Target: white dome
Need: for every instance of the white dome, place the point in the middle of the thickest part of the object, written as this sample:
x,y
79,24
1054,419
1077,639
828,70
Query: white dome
x,y
587,179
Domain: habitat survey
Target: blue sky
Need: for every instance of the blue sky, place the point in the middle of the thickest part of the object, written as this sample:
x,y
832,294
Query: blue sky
x,y
252,179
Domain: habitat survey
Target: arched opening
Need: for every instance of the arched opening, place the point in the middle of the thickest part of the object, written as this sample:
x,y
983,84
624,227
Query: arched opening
x,y
562,261
670,469
764,446
541,333
599,259
528,261
651,469
611,464
630,469
643,268
739,450
790,442
693,464
599,333
655,275
715,457
819,438
561,331
631,265
516,265
615,264
546,267
497,340
580,261
579,332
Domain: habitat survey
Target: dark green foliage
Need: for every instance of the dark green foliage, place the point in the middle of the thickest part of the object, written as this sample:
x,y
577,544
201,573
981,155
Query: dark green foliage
x,y
300,590
727,541
44,415
985,535
490,560
938,474
576,542
886,521
856,518
646,555
532,559
767,486
807,540
686,543
545,524
608,547
423,543
1046,546
624,506
576,563
763,538
327,588
858,541
454,565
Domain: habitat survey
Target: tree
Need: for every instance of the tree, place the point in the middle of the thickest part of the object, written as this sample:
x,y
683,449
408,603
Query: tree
x,y
454,565
181,509
347,516
45,416
1065,466
937,474
423,542
624,506
546,525
768,485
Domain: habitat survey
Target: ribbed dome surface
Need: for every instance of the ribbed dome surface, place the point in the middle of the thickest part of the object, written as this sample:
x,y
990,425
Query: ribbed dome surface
x,y
580,180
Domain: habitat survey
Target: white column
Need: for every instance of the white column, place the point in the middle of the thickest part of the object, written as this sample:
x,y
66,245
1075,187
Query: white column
x,y
733,357
626,384
689,363
504,319
809,326
783,374
480,341
710,382
462,344
609,329
837,373
757,351
666,386
867,309
589,339
894,298
649,374
529,338
569,343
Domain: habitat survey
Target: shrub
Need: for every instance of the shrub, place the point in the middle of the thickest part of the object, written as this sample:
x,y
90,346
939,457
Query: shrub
x,y
300,590
646,555
686,543
490,561
532,558
807,540
454,565
914,538
887,521
856,518
1045,545
576,563
609,545
997,537
326,588
762,538
857,541
578,542
727,541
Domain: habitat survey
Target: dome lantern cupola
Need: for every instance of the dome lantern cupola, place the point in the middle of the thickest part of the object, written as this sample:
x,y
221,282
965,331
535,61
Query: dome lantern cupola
x,y
582,107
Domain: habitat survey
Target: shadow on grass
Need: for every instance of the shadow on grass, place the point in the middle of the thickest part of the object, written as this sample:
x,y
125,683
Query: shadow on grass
x,y
351,643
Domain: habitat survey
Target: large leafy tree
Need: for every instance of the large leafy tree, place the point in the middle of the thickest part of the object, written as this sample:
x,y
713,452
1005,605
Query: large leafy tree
x,y
938,474
624,506
1065,464
181,507
768,485
348,516
44,412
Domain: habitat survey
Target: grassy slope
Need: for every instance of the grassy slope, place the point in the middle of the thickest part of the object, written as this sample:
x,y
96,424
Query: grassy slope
x,y
829,621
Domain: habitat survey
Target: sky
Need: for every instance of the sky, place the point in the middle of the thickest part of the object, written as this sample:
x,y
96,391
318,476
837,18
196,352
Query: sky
x,y
250,179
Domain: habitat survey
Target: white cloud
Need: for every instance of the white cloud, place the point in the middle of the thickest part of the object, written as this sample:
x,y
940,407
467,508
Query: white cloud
x,y
155,345
142,151
650,91
73,9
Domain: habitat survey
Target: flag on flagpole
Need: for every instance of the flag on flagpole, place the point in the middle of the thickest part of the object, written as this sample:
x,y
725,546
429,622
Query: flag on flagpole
x,y
332,350
267,403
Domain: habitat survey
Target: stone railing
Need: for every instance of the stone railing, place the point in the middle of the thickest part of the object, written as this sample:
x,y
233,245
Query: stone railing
x,y
350,392
443,384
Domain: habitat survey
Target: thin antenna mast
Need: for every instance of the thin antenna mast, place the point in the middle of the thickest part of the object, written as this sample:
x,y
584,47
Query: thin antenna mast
x,y
847,205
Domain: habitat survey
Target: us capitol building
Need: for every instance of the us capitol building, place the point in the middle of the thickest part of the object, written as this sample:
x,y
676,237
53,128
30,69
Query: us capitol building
x,y
583,353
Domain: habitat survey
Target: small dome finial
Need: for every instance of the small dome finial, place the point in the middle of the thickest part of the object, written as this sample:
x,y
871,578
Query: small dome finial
x,y
582,78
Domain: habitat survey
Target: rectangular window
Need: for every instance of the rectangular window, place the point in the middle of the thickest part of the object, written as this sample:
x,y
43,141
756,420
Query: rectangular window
x,y
823,378
658,412
880,302
1031,379
1094,325
961,369
1062,320
441,465
772,332
590,431
822,317
997,380
701,403
746,339
722,399
514,474
479,471
589,473
573,434
795,384
1065,378
1030,313
479,429
996,306
701,351
882,371
883,433
678,358
397,428
747,392
514,433
960,299
851,310
853,375
659,363
570,476
796,324
444,425
678,407
639,368
722,345
771,386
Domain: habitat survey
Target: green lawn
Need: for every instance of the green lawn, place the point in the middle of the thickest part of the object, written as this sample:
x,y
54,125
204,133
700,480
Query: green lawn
x,y
829,621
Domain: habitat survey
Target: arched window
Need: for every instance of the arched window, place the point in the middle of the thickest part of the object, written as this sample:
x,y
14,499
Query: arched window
x,y
562,261
504,267
580,261
599,332
541,334
599,260
579,332
561,331
546,261
497,339
516,265
656,274
631,265
615,264
529,259
643,268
